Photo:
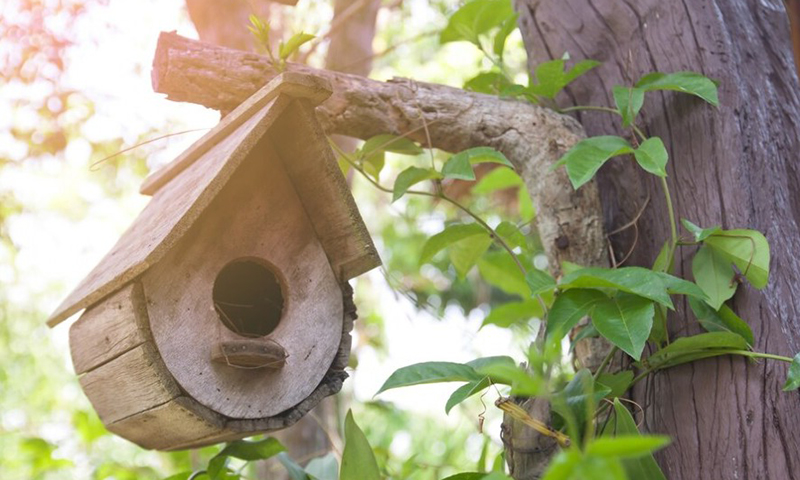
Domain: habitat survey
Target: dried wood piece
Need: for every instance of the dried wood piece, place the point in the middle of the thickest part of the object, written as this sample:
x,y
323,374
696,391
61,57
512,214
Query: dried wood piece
x,y
134,382
110,329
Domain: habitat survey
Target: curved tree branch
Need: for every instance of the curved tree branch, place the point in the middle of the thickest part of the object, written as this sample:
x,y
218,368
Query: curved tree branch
x,y
532,137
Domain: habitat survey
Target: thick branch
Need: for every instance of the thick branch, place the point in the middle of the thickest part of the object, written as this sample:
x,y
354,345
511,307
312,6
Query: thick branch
x,y
531,137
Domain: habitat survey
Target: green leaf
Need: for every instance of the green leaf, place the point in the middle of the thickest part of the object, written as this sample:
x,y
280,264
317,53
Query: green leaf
x,y
686,82
499,270
626,446
636,280
295,42
540,281
699,233
551,77
748,250
568,309
295,471
714,275
497,179
521,381
793,375
508,26
325,467
391,143
481,362
459,166
465,391
652,156
724,320
629,101
465,253
586,157
410,177
514,313
625,321
476,18
358,461
243,450
663,262
450,235
578,400
688,349
511,235
617,383
430,372
679,286
492,83
644,467
467,476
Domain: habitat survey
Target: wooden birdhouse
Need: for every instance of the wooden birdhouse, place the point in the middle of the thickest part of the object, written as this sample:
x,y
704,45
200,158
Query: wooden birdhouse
x,y
224,310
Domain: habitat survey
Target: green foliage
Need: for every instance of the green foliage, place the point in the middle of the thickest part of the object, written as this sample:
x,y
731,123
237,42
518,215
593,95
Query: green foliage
x,y
793,375
699,233
643,467
430,372
410,177
476,18
685,82
293,44
715,275
552,76
514,313
587,156
459,166
747,249
625,320
358,461
243,450
629,101
722,320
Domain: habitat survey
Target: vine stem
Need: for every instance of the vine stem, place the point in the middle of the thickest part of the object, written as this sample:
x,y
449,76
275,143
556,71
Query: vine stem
x,y
444,197
606,361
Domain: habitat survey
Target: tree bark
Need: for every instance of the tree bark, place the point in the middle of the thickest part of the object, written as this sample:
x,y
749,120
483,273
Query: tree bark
x,y
735,166
532,138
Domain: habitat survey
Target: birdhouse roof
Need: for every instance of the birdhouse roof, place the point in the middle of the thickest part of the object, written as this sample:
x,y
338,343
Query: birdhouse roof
x,y
283,110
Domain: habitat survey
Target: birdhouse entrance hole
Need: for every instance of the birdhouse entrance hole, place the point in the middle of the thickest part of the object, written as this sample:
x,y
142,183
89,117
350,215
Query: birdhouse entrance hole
x,y
248,298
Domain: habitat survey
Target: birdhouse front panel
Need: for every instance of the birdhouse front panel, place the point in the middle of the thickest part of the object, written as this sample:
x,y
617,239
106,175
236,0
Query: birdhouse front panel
x,y
250,267
224,310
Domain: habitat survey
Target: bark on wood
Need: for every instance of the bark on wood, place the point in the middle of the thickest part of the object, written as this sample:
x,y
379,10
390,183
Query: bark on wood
x,y
735,166
531,137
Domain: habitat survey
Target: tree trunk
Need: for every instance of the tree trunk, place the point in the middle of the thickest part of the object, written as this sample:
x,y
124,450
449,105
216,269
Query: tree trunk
x,y
735,166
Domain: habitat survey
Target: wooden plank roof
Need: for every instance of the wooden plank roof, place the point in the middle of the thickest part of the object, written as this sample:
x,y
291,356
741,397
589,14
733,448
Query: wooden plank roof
x,y
184,188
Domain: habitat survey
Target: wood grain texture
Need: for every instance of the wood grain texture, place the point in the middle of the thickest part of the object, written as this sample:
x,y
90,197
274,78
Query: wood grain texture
x,y
169,214
132,383
170,426
735,166
532,137
109,329
319,182
259,216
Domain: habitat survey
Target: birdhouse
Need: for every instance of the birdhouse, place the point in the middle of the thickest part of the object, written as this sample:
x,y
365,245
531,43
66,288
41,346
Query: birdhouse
x,y
224,310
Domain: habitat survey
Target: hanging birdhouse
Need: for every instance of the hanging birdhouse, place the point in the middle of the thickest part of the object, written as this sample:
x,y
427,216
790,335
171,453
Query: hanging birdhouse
x,y
224,310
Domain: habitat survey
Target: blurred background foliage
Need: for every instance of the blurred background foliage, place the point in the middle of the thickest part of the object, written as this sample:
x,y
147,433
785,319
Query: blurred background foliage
x,y
74,89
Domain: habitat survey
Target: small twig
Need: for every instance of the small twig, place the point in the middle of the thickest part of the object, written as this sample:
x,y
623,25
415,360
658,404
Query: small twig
x,y
93,167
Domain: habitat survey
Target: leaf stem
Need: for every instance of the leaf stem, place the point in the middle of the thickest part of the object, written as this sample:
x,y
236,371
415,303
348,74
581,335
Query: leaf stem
x,y
497,238
606,361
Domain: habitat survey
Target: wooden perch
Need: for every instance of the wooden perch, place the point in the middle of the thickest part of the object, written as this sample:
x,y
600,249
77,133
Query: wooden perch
x,y
532,137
